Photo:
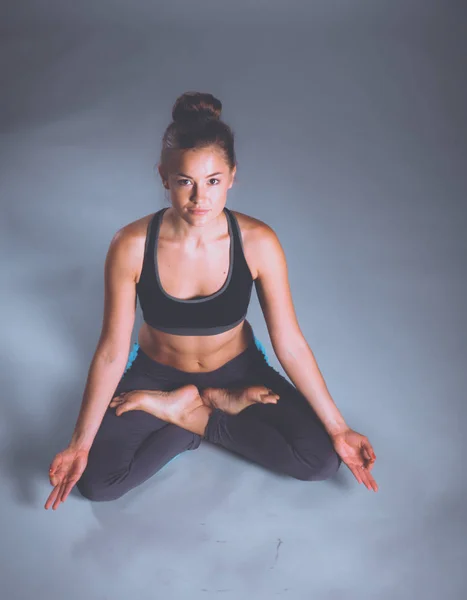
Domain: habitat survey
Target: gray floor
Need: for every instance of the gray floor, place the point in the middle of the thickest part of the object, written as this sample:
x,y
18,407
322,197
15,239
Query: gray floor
x,y
350,129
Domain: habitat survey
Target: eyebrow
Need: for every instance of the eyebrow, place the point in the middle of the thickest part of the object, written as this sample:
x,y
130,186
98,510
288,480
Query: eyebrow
x,y
212,175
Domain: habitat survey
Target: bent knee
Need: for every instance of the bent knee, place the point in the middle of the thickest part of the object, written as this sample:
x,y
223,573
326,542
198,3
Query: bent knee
x,y
319,470
99,492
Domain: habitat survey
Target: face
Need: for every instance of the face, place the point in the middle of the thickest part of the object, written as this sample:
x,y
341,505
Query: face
x,y
198,179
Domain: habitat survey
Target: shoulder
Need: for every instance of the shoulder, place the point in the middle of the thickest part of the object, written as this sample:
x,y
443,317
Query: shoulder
x,y
260,241
252,229
126,249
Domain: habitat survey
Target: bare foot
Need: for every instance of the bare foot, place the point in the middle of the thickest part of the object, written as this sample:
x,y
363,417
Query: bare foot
x,y
233,401
171,406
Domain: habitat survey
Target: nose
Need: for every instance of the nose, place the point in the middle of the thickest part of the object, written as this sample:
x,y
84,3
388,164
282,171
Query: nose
x,y
198,198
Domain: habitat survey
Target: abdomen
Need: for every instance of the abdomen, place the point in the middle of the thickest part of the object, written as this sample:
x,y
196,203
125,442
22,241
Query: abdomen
x,y
195,354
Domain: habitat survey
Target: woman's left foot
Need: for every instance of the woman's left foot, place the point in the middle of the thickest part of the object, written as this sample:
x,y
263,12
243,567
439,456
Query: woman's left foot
x,y
233,401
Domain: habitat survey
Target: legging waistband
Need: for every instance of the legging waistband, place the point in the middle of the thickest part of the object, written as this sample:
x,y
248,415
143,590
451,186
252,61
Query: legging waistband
x,y
232,369
137,350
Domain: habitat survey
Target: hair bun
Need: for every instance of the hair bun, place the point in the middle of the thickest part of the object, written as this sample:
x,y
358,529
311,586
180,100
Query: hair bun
x,y
196,106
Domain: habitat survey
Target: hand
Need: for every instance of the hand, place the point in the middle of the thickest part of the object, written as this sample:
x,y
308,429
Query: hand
x,y
358,454
65,470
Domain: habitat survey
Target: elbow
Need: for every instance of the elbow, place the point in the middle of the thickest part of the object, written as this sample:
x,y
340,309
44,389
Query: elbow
x,y
290,348
111,353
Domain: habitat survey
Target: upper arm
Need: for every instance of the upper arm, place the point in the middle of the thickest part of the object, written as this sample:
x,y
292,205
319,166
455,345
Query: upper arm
x,y
273,289
120,273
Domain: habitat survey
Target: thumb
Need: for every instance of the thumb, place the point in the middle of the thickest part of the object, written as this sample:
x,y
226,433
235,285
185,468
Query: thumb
x,y
54,477
54,467
368,453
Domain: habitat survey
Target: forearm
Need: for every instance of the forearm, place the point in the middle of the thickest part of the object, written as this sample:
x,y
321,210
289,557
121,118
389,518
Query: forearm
x,y
299,363
103,378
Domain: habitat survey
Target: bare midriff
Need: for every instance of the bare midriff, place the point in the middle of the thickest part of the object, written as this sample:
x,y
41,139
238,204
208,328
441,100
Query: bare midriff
x,y
195,354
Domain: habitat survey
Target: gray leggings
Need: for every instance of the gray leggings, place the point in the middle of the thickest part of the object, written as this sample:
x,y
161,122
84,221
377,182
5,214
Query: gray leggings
x,y
286,437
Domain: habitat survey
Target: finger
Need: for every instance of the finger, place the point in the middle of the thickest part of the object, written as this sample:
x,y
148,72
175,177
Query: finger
x,y
369,451
368,459
56,477
365,457
371,484
360,474
356,471
51,498
57,462
68,487
58,499
369,481
55,467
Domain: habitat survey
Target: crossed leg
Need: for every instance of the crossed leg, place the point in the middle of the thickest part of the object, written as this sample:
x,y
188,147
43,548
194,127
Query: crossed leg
x,y
278,431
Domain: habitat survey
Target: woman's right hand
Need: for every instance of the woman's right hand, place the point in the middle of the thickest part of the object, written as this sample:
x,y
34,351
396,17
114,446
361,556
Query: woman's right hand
x,y
65,470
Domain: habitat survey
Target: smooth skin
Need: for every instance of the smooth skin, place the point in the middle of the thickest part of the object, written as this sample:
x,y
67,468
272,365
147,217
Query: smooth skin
x,y
193,261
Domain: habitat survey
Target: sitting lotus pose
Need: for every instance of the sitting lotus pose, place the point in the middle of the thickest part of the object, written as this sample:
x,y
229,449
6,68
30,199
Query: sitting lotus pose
x,y
197,371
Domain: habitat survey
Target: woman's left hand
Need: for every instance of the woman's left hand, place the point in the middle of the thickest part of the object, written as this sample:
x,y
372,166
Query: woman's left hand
x,y
358,454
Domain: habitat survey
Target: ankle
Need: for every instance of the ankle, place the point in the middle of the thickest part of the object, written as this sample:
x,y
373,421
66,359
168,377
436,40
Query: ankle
x,y
208,396
195,414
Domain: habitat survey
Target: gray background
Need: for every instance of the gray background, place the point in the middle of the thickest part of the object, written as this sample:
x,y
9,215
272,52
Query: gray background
x,y
350,133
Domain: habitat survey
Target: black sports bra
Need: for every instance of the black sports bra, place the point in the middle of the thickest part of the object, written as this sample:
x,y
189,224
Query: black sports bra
x,y
206,315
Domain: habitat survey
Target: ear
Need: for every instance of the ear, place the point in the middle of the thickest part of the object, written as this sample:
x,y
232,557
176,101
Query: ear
x,y
232,175
163,176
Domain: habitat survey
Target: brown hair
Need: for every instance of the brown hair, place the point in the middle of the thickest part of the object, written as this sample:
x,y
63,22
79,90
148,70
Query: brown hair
x,y
197,124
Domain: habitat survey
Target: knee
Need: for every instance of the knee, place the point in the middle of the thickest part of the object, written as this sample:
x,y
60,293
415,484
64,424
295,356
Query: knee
x,y
320,469
99,492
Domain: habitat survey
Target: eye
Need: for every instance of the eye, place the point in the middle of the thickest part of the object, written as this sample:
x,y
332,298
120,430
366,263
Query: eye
x,y
181,181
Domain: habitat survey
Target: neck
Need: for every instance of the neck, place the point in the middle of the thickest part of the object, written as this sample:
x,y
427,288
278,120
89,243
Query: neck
x,y
204,233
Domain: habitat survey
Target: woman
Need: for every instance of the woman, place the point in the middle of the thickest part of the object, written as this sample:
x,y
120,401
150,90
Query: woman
x,y
198,373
